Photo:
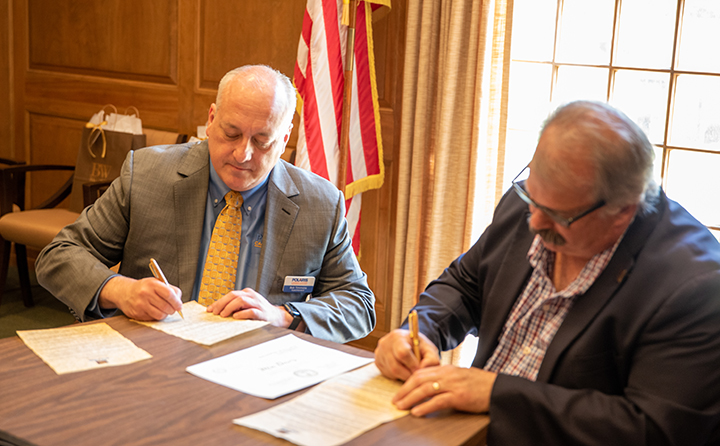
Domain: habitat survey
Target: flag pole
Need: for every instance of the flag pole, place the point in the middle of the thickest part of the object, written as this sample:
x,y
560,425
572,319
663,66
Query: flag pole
x,y
348,19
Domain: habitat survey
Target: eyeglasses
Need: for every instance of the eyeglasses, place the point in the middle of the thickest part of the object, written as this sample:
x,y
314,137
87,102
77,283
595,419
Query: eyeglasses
x,y
555,215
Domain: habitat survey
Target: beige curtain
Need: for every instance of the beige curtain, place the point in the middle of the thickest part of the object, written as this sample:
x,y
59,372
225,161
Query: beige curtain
x,y
452,141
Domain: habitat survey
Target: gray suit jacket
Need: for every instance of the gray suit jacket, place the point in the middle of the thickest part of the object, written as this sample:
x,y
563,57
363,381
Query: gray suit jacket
x,y
156,209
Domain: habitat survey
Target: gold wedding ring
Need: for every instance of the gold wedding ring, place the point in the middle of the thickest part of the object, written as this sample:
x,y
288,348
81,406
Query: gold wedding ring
x,y
436,386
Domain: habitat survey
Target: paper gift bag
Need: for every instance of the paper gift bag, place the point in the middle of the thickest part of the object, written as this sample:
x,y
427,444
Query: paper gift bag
x,y
106,140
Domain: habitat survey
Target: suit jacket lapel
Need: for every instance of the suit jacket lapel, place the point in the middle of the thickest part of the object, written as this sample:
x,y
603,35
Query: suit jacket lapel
x,y
280,214
510,281
606,285
190,193
586,307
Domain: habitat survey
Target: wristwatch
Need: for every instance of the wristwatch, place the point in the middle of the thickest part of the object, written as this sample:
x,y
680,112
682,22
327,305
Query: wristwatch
x,y
295,314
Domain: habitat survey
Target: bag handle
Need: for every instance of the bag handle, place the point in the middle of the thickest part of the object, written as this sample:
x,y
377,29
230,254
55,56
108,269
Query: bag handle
x,y
91,141
97,130
137,112
114,109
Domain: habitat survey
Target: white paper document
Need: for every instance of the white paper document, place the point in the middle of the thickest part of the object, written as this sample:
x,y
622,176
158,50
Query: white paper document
x,y
202,327
82,347
278,367
332,413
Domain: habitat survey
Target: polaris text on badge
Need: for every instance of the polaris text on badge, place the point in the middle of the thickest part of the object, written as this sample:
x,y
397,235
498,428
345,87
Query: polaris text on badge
x,y
298,284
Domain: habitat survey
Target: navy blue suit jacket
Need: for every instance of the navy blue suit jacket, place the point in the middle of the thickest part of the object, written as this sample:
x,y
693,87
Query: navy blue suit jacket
x,y
636,361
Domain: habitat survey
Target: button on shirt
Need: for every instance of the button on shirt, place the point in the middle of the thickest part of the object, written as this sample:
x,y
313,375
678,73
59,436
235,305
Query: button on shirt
x,y
539,312
251,239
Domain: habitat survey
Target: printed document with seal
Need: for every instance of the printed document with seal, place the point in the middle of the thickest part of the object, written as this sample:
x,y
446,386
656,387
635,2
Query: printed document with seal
x,y
278,367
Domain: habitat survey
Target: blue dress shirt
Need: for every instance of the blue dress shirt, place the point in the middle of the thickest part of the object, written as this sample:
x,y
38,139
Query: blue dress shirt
x,y
253,210
251,238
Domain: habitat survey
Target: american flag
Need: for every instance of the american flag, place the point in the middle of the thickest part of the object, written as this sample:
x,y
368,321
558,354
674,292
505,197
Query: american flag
x,y
319,79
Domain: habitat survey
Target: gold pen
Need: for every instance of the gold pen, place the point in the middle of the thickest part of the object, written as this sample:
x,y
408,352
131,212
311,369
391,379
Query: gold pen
x,y
414,333
157,272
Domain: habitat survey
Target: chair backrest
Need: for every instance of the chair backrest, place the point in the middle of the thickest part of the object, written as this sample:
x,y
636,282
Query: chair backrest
x,y
159,137
9,187
11,162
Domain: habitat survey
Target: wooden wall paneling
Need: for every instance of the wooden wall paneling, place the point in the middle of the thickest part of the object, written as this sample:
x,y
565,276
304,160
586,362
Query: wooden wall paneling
x,y
18,14
201,102
80,96
6,114
53,140
83,55
188,67
78,56
248,32
395,56
126,39
233,34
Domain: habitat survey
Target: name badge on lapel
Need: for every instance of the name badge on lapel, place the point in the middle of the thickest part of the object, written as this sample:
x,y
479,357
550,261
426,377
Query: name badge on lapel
x,y
298,284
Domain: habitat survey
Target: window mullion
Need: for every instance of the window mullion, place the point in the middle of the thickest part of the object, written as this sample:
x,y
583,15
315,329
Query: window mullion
x,y
671,89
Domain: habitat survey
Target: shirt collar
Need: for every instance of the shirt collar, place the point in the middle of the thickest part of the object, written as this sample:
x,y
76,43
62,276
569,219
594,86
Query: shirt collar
x,y
218,189
538,251
541,258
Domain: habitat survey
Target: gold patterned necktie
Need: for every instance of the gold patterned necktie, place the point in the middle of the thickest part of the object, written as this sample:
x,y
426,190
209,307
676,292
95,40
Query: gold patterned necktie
x,y
221,262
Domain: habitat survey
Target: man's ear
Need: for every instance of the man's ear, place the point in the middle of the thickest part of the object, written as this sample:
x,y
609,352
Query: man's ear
x,y
211,113
286,138
629,210
626,214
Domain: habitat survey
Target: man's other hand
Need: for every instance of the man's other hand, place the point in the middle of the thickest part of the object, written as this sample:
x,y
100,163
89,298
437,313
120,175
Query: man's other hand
x,y
146,299
249,304
435,388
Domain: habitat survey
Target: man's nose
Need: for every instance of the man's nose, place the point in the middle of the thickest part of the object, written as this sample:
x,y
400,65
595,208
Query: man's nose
x,y
243,150
539,219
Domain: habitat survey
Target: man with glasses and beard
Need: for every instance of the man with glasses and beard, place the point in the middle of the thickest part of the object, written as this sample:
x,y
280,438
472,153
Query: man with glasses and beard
x,y
599,325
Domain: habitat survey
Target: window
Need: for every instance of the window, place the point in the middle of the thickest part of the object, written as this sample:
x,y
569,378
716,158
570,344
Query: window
x,y
656,60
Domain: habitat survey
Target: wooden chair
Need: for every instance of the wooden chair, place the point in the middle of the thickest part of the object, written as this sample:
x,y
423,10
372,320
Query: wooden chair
x,y
24,231
38,226
6,204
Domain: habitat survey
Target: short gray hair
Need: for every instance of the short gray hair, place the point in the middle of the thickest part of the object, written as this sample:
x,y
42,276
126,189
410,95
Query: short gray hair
x,y
268,74
616,146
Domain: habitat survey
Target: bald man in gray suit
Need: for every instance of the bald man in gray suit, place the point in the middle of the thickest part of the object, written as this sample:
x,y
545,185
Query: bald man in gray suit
x,y
164,206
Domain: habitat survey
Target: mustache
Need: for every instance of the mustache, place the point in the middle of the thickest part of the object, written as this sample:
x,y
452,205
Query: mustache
x,y
548,235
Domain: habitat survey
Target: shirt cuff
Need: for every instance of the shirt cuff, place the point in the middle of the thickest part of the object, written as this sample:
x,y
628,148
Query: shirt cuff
x,y
93,310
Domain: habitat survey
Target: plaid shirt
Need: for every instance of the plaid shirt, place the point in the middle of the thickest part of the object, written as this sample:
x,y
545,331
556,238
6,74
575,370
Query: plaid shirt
x,y
539,312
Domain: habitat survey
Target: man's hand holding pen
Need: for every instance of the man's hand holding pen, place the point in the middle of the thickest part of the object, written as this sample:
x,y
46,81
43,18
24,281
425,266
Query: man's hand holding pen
x,y
159,275
428,386
395,355
146,299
